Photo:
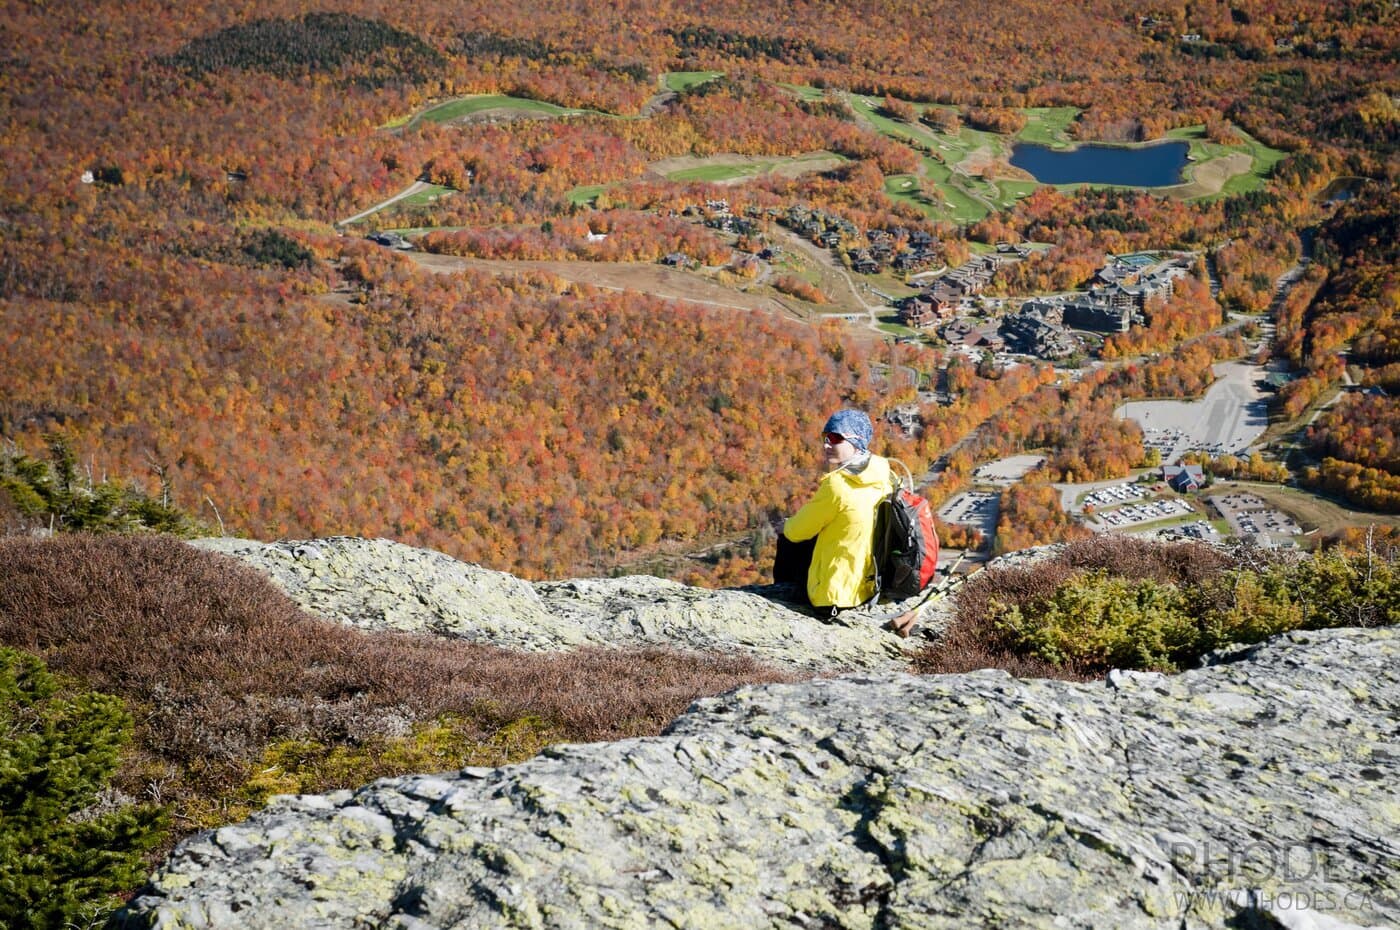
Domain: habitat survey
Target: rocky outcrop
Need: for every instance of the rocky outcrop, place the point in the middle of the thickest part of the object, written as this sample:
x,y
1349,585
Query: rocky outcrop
x,y
1256,792
376,584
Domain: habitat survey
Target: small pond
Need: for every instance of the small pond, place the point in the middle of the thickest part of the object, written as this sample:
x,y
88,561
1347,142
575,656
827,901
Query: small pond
x,y
1143,166
1341,190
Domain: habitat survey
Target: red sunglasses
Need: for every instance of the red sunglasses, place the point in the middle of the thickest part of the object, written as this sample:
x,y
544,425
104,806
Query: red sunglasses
x,y
833,439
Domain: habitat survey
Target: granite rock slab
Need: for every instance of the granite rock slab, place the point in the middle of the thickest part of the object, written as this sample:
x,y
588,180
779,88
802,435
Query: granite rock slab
x,y
1257,791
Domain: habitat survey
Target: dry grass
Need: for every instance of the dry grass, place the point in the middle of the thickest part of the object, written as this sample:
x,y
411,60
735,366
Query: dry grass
x,y
221,671
972,642
647,278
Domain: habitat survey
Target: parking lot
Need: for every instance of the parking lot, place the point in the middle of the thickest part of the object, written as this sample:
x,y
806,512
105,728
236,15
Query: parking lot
x,y
1233,414
978,509
1200,529
1138,514
1249,514
1007,470
1174,443
1113,495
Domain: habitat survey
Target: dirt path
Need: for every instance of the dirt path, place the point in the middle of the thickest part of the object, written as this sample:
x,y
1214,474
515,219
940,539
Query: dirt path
x,y
823,257
656,280
409,191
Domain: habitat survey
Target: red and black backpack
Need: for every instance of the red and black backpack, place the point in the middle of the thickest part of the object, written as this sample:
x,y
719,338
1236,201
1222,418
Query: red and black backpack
x,y
906,544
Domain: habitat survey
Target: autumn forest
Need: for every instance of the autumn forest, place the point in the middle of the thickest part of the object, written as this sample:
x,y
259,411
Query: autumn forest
x,y
183,301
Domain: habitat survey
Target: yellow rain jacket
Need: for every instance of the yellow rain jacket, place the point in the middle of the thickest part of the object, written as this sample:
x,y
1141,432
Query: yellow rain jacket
x,y
842,517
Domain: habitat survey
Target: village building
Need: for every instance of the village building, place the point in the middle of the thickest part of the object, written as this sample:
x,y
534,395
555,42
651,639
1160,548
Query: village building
x,y
1183,478
921,239
389,240
1027,333
1048,309
989,339
906,418
912,259
959,332
728,222
863,262
1133,280
922,311
972,276
1090,314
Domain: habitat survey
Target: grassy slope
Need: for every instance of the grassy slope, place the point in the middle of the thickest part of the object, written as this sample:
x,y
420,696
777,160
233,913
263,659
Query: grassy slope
x,y
466,106
728,172
426,196
684,80
238,694
1048,126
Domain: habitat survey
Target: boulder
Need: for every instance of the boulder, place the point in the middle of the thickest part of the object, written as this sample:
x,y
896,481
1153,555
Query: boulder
x,y
1257,791
377,584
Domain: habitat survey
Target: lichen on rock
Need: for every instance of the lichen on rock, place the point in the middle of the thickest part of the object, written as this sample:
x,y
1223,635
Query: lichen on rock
x,y
1256,791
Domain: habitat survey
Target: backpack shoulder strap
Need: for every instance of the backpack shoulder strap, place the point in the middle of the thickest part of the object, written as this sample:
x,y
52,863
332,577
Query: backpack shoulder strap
x,y
907,481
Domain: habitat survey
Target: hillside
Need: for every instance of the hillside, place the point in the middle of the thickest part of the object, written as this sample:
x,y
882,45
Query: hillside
x,y
176,300
475,312
321,665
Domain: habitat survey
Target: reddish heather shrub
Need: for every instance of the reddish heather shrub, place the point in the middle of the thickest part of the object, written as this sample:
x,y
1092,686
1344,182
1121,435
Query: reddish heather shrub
x,y
216,663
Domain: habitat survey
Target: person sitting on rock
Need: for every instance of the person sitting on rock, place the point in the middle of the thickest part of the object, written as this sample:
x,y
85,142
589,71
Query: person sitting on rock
x,y
841,515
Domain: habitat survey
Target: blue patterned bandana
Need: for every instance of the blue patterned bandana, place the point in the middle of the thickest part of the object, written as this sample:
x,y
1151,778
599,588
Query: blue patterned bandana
x,y
854,425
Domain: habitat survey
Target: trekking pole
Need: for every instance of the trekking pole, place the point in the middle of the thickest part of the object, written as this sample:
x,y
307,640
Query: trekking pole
x,y
939,590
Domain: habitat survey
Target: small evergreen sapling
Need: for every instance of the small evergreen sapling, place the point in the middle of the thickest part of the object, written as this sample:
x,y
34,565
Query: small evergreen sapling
x,y
59,863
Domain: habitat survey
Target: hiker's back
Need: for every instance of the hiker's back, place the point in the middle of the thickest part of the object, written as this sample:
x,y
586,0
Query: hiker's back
x,y
842,517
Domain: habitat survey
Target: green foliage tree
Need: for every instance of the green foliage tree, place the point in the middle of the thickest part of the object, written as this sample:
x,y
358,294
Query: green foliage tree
x,y
272,248
59,862
55,492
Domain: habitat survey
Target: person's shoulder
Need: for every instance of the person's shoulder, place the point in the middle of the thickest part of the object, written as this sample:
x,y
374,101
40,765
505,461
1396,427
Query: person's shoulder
x,y
879,469
831,481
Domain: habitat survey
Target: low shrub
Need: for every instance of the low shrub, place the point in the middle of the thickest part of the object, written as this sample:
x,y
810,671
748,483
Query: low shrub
x,y
1116,602
1097,620
226,678
796,287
